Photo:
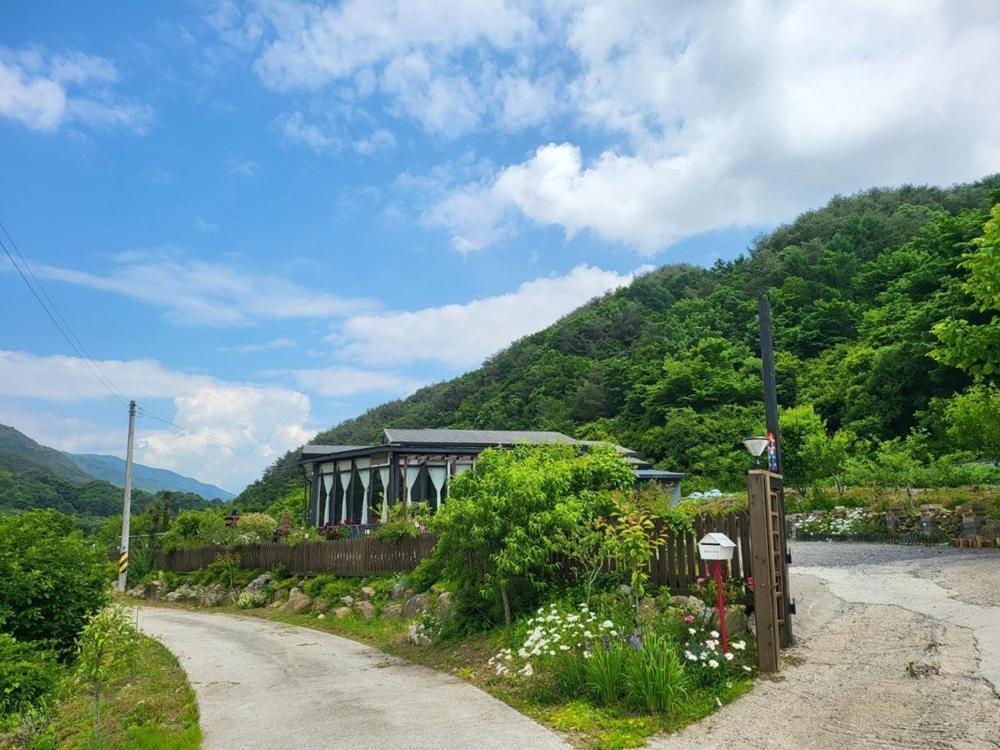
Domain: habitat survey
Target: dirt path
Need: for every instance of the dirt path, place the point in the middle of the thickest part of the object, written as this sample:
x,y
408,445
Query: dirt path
x,y
897,648
262,684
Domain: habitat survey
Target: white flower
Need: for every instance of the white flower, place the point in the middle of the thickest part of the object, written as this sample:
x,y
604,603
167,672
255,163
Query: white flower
x,y
690,656
607,624
527,670
587,654
740,645
714,634
563,647
692,631
713,663
746,668
729,656
507,657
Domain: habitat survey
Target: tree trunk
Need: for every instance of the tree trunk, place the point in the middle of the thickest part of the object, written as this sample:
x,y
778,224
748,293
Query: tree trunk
x,y
506,605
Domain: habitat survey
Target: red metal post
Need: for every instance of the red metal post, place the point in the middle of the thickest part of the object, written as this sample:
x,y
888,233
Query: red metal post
x,y
720,601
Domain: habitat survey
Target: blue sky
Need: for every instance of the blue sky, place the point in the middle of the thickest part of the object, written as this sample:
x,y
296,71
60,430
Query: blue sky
x,y
262,218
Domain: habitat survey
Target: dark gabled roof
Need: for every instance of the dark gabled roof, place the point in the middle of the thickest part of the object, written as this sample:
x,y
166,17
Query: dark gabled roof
x,y
313,450
397,436
657,474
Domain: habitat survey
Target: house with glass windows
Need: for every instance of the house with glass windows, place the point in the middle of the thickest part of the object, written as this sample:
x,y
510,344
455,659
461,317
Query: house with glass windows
x,y
348,483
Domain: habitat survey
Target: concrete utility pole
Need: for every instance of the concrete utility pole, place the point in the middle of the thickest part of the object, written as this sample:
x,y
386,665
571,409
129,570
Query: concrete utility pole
x,y
127,504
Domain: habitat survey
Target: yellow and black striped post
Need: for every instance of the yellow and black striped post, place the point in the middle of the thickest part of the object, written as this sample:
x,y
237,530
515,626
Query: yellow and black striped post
x,y
123,562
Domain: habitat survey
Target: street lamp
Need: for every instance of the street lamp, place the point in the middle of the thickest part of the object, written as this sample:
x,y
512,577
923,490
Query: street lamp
x,y
756,447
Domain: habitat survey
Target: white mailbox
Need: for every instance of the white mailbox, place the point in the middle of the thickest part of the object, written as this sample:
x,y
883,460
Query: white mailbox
x,y
716,546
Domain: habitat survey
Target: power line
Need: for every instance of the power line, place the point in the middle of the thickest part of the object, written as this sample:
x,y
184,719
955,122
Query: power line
x,y
38,291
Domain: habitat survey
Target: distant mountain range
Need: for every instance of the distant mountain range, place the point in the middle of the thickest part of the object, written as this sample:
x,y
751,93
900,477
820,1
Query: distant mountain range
x,y
22,455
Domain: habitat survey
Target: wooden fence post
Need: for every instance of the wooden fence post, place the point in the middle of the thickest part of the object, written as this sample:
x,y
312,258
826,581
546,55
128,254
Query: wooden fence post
x,y
763,561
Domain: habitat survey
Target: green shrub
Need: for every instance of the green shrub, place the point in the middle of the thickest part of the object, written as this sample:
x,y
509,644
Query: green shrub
x,y
28,673
606,670
395,531
252,599
107,642
255,528
51,579
656,677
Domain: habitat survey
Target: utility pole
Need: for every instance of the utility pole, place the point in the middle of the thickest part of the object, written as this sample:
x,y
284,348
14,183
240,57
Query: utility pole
x,y
127,503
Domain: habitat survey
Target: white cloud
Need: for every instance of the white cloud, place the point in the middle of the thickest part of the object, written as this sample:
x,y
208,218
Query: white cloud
x,y
44,92
204,225
719,115
208,293
464,335
375,142
347,381
229,431
294,128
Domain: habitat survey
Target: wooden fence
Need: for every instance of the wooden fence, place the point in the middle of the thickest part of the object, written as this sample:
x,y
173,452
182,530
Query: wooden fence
x,y
676,565
362,556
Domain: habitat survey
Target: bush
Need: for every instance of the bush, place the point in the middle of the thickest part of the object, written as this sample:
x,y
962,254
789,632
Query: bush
x,y
51,579
252,599
28,672
255,528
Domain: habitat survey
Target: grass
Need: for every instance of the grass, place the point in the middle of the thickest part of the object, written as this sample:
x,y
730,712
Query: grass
x,y
584,724
148,706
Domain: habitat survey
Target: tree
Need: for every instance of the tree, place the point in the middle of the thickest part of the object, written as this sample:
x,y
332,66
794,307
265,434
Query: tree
x,y
106,644
51,579
970,345
826,456
799,426
503,519
974,421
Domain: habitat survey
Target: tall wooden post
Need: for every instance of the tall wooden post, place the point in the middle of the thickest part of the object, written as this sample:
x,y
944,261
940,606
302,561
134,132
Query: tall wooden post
x,y
763,553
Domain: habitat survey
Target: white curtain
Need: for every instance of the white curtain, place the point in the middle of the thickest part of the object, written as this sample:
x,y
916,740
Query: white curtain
x,y
438,474
324,485
413,473
366,478
383,473
459,468
345,482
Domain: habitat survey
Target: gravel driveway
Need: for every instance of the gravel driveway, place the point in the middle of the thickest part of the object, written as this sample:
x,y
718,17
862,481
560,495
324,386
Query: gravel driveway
x,y
898,647
262,684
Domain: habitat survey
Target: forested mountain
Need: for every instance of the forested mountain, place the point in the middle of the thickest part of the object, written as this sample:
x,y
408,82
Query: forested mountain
x,y
112,469
35,476
861,291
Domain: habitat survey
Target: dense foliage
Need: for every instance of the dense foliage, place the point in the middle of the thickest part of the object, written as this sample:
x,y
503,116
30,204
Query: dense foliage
x,y
51,579
865,294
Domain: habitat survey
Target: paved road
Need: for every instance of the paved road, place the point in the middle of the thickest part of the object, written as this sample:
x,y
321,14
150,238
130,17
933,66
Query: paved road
x,y
266,685
898,647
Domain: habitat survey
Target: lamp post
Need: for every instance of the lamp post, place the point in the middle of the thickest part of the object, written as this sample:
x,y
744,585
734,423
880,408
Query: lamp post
x,y
756,447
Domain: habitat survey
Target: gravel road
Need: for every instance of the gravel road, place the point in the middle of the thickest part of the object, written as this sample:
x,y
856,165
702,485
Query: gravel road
x,y
898,647
266,685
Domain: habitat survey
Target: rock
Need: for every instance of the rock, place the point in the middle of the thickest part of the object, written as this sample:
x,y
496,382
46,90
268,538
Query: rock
x,y
736,621
228,599
416,635
320,605
321,616
445,606
415,605
625,590
211,596
136,592
691,603
276,605
280,595
364,609
259,582
392,611
347,601
173,596
341,612
297,602
154,590
399,591
367,593
437,588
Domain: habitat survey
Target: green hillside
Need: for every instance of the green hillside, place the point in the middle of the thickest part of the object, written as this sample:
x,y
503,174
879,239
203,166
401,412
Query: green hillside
x,y
20,454
35,476
669,365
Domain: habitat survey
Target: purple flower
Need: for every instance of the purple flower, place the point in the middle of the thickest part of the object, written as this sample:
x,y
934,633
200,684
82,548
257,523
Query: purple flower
x,y
635,641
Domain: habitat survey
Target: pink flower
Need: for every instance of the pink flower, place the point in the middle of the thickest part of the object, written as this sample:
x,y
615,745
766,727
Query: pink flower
x,y
689,619
699,581
750,582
